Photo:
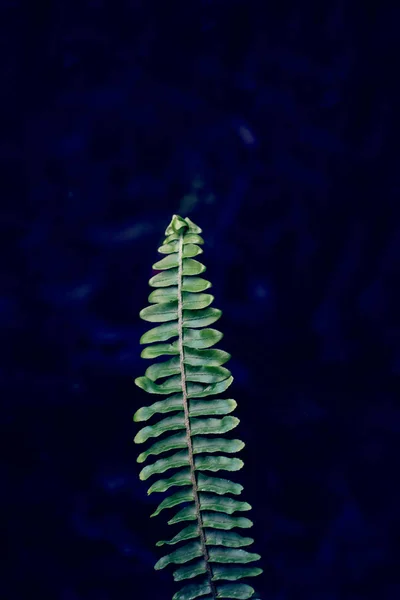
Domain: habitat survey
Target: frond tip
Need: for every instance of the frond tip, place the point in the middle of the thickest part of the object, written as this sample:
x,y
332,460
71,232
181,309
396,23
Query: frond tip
x,y
188,436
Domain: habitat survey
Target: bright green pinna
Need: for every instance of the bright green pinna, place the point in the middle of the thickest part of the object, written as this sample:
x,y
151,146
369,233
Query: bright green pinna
x,y
207,547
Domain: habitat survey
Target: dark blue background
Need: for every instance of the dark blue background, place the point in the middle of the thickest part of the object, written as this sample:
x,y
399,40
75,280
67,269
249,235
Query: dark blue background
x,y
273,126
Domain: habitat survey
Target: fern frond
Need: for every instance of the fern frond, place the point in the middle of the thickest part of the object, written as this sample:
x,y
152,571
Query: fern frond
x,y
192,372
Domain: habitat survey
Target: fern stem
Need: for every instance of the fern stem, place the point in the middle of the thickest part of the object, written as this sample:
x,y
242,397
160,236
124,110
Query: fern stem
x,y
187,425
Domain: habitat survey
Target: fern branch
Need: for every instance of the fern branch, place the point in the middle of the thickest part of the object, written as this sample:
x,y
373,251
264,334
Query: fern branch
x,y
192,373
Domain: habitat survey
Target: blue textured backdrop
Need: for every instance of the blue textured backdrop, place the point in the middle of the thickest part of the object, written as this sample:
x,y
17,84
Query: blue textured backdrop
x,y
273,128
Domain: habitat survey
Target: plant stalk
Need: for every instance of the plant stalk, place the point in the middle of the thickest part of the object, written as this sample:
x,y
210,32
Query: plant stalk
x,y
187,425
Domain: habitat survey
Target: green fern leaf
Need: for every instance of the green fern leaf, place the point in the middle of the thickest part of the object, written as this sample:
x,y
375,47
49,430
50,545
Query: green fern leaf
x,y
192,372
